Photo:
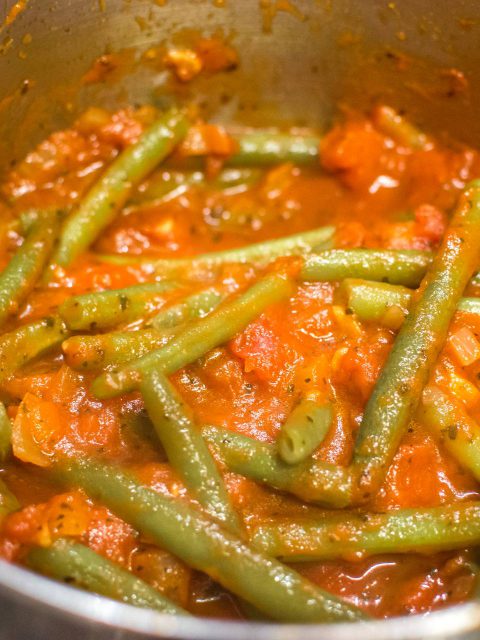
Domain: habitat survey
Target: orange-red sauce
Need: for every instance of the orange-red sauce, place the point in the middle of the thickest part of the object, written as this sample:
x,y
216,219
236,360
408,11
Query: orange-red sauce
x,y
378,194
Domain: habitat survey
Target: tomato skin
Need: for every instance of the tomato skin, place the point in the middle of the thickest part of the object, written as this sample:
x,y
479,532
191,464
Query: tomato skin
x,y
355,153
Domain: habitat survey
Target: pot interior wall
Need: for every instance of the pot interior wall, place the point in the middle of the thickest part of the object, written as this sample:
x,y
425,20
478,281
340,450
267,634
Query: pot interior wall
x,y
296,66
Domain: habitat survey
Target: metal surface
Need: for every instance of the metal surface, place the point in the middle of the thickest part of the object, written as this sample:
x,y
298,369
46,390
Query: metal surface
x,y
326,52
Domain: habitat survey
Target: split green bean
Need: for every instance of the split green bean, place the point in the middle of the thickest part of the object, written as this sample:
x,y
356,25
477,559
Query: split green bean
x,y
276,590
313,481
102,203
80,566
199,338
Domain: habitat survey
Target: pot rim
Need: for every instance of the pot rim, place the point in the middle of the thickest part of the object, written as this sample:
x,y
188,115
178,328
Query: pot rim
x,y
92,609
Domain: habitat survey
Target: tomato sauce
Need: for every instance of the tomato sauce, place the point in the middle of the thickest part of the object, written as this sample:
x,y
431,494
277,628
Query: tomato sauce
x,y
377,193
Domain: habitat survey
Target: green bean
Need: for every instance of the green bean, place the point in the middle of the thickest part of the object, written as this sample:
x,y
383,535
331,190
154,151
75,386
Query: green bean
x,y
5,434
399,387
101,204
397,127
29,217
8,502
312,481
262,253
80,566
166,185
186,450
21,346
384,265
449,423
263,148
304,430
259,254
235,178
86,353
469,305
137,429
379,302
353,535
106,309
386,304
190,308
276,590
402,267
27,265
199,338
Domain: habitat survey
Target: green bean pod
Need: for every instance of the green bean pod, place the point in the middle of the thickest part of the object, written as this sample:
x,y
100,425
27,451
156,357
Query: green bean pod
x,y
303,431
106,309
263,148
190,308
355,535
86,353
450,424
386,304
163,186
186,450
26,267
259,254
274,589
469,305
313,481
8,502
102,203
383,265
22,345
399,128
80,566
398,390
5,434
199,338
90,353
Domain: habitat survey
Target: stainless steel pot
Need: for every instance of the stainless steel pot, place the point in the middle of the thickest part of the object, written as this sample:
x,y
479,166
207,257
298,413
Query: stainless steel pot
x,y
297,67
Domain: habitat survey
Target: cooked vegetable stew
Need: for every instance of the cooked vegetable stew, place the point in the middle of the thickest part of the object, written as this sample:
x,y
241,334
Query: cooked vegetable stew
x,y
239,371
